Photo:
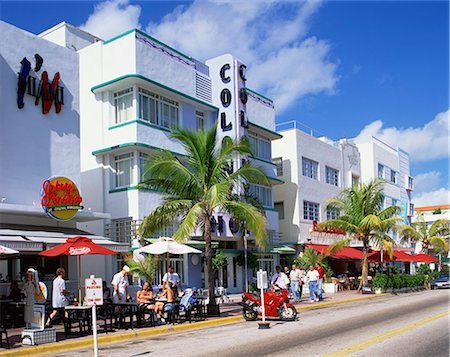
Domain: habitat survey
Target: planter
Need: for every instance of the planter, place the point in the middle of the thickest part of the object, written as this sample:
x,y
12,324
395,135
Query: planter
x,y
379,291
213,310
389,290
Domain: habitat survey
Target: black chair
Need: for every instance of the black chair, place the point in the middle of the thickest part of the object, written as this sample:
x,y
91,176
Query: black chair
x,y
105,312
5,322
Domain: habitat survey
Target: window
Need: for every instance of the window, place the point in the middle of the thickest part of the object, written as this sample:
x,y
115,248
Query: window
x,y
394,202
263,194
279,164
143,157
158,110
279,206
332,213
332,176
310,211
355,180
380,171
260,146
393,177
310,168
123,170
200,118
123,103
122,230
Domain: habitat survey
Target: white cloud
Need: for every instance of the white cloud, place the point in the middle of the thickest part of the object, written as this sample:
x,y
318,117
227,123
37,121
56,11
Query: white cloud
x,y
270,37
427,181
432,198
426,143
111,18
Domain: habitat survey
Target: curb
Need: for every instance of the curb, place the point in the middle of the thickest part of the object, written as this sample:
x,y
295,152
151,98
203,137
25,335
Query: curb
x,y
156,331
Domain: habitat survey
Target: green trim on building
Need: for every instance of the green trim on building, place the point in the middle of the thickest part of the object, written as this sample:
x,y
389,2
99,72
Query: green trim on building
x,y
270,209
259,94
138,76
265,129
276,179
100,151
139,121
163,44
118,36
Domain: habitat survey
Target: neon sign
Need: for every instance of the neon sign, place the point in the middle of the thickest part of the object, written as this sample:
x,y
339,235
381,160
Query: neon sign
x,y
60,198
44,90
317,228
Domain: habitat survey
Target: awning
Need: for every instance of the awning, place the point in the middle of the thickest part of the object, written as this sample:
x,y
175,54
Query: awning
x,y
425,258
283,250
343,253
375,256
26,238
199,244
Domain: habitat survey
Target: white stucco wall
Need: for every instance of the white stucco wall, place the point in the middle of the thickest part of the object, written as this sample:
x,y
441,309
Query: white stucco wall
x,y
34,146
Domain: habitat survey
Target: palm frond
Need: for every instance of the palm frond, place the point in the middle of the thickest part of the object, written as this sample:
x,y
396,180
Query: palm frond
x,y
440,243
189,223
336,247
407,232
440,227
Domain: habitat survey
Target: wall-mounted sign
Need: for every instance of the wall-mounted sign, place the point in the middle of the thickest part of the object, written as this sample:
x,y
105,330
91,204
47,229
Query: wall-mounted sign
x,y
60,198
43,90
317,228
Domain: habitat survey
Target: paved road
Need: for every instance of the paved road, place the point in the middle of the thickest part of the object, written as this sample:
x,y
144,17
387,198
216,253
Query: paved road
x,y
412,325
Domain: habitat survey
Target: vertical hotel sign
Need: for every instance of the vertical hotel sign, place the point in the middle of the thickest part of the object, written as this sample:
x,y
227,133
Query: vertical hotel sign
x,y
60,198
42,89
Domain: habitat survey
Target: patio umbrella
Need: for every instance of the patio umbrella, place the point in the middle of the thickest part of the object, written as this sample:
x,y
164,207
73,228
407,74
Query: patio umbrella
x,y
77,246
425,258
166,245
5,250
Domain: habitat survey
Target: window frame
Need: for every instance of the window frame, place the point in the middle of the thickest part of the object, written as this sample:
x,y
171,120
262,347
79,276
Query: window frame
x,y
200,120
280,204
331,176
118,96
315,213
117,159
278,162
332,213
261,146
161,102
312,170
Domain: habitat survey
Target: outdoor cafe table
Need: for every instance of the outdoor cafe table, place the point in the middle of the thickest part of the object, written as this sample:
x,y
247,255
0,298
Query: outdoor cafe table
x,y
81,314
129,309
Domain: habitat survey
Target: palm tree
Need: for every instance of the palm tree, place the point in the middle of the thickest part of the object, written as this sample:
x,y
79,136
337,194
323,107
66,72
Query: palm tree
x,y
363,218
434,236
199,184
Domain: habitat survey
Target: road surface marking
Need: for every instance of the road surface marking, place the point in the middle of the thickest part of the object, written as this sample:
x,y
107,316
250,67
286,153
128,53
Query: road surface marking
x,y
384,336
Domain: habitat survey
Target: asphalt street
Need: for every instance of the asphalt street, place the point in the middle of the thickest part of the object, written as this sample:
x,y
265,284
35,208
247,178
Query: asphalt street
x,y
413,325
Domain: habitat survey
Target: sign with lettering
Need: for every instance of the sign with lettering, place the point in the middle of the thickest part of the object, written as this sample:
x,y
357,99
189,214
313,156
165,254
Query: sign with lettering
x,y
317,228
60,198
43,90
93,291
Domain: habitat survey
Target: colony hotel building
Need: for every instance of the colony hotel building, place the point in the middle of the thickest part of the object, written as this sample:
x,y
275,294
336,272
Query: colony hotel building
x,y
122,99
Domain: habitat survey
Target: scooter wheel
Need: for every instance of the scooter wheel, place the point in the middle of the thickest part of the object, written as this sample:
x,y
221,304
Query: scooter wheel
x,y
287,313
250,314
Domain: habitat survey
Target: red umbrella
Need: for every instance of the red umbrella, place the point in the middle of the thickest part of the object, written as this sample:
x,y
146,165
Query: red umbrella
x,y
425,258
77,246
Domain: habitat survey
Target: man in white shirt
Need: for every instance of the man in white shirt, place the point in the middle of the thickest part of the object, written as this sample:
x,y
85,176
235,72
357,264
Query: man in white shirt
x,y
173,278
59,296
279,280
295,276
312,277
120,284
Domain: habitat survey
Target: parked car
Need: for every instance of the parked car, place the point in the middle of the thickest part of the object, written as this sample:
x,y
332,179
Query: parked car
x,y
442,282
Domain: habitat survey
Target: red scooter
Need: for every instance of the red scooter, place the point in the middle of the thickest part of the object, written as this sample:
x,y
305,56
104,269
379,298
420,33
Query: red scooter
x,y
276,305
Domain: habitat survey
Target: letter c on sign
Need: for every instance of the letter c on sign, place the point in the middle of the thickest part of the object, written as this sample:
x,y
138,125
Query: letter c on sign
x,y
225,79
242,69
225,97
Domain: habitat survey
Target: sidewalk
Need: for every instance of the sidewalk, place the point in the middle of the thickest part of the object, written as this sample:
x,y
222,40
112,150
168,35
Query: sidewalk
x,y
230,311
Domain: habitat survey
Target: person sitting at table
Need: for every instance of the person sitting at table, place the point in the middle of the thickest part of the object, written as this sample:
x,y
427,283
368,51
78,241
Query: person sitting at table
x,y
168,306
14,292
145,295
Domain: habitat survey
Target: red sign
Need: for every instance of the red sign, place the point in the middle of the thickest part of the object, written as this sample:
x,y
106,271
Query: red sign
x,y
329,230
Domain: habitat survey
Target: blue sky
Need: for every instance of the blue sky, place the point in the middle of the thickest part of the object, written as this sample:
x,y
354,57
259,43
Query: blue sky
x,y
341,67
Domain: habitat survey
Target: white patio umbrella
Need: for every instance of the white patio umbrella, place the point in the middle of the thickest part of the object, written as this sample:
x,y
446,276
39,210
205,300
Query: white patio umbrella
x,y
6,250
165,245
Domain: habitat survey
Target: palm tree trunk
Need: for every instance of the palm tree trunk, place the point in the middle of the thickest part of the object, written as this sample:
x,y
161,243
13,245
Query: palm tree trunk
x,y
365,266
208,255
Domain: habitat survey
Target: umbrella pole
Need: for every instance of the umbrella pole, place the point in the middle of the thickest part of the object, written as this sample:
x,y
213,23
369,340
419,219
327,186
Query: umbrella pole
x,y
79,278
167,262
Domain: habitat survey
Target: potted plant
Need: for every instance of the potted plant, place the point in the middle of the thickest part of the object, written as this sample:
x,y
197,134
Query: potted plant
x,y
380,282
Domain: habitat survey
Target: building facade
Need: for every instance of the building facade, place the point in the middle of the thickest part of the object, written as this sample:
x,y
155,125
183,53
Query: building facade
x,y
314,169
133,91
384,162
40,140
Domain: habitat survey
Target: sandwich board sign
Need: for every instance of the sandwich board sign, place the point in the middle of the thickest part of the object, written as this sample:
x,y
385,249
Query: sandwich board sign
x,y
93,291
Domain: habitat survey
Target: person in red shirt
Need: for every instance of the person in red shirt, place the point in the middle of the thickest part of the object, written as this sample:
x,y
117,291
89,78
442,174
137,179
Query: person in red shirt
x,y
322,277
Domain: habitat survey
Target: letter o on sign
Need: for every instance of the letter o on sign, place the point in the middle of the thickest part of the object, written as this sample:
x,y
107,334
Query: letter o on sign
x,y
225,97
243,95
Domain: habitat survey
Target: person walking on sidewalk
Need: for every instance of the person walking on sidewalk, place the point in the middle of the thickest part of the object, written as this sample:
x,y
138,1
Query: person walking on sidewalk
x,y
295,276
322,276
312,277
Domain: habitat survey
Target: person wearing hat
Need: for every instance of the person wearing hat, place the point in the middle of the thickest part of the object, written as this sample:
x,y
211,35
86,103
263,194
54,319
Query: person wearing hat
x,y
120,285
